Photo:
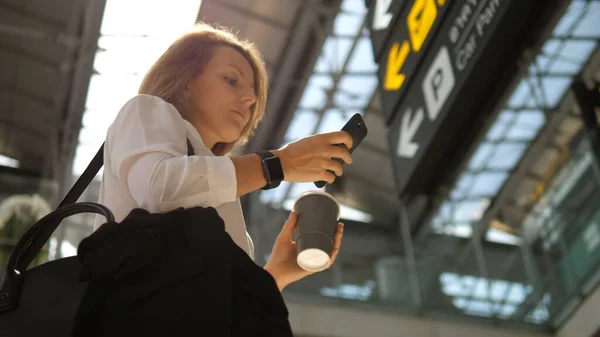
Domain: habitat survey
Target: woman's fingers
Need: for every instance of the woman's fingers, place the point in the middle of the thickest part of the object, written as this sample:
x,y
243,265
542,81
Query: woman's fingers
x,y
337,243
327,176
334,166
338,137
340,152
287,232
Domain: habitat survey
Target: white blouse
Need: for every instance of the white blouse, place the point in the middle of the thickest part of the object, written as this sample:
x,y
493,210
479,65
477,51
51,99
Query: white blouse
x,y
146,166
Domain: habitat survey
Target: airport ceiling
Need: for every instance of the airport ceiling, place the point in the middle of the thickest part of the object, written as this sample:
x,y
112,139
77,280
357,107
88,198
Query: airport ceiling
x,y
316,51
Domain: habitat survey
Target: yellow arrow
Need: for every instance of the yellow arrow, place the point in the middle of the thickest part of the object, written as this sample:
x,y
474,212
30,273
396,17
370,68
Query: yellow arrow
x,y
396,57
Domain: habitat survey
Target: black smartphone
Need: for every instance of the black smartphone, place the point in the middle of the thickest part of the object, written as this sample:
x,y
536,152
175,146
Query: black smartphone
x,y
357,128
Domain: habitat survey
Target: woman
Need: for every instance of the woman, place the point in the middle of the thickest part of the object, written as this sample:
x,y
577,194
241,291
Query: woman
x,y
209,88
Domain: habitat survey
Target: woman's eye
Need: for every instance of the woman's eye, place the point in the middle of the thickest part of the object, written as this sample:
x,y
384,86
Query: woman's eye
x,y
231,81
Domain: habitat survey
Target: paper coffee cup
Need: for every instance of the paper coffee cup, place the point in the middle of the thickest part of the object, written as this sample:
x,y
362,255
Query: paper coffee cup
x,y
318,216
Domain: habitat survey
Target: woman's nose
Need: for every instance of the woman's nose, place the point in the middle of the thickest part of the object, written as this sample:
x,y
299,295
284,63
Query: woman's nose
x,y
249,97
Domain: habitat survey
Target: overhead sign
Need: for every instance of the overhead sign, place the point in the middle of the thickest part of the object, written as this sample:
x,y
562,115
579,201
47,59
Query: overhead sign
x,y
381,20
403,52
464,35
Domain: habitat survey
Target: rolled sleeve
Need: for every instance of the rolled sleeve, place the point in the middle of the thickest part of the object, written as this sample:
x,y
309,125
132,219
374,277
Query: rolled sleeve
x,y
222,179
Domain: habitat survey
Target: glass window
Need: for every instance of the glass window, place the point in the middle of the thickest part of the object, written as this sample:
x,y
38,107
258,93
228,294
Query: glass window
x,y
481,156
313,98
333,120
347,24
362,58
303,124
470,210
488,183
506,155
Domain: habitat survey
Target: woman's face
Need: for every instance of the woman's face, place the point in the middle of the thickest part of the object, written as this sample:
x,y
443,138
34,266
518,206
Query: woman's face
x,y
221,96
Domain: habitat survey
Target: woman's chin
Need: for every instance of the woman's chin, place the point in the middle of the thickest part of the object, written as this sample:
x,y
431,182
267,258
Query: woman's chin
x,y
231,134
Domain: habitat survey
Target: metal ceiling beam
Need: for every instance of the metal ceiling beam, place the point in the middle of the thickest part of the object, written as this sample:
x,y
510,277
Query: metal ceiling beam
x,y
12,125
22,10
26,94
39,34
40,59
88,31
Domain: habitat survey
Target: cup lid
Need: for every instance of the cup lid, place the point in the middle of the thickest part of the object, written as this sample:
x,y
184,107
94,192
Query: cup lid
x,y
318,192
313,260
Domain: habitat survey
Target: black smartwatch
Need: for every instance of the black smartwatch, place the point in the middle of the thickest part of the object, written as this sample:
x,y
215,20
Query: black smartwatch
x,y
272,169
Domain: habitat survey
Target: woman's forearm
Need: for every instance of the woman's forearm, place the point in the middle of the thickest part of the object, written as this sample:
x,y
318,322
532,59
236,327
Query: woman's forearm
x,y
249,173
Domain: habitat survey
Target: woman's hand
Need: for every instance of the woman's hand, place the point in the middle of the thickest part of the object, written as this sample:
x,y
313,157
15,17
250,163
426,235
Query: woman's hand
x,y
310,158
282,264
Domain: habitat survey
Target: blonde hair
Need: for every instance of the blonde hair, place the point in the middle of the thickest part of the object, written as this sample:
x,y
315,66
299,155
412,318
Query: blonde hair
x,y
185,59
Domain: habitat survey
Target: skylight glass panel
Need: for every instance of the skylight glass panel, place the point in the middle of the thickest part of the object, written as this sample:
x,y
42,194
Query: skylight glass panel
x,y
358,84
498,289
569,18
323,81
303,124
480,290
516,293
551,47
534,119
506,155
520,94
554,88
445,211
481,156
541,62
507,310
313,98
521,133
564,67
469,211
588,26
355,90
481,296
463,186
348,100
347,24
498,130
576,51
354,6
526,125
335,52
323,65
487,183
332,120
362,59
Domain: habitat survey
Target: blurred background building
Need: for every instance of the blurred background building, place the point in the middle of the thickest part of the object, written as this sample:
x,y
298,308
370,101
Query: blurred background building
x,y
473,205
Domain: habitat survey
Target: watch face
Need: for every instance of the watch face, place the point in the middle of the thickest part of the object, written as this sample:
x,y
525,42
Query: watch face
x,y
273,166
